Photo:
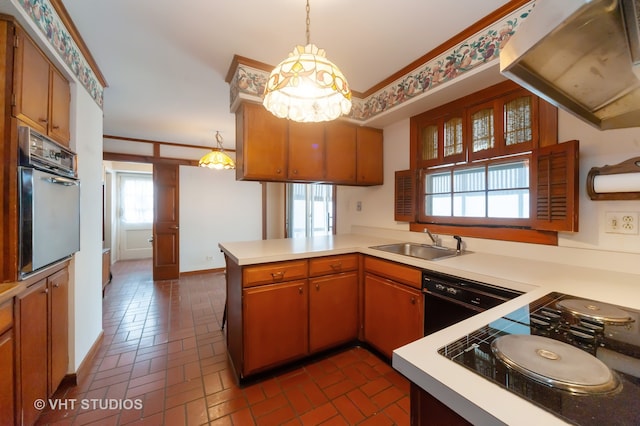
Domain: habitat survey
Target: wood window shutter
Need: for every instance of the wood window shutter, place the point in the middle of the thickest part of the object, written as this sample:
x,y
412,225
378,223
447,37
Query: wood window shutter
x,y
554,184
404,210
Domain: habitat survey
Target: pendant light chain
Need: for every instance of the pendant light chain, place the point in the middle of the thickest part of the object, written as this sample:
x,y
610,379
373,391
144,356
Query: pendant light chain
x,y
308,24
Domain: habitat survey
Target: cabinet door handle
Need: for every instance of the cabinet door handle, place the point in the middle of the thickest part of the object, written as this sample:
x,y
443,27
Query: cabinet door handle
x,y
174,227
300,290
54,127
318,287
56,285
278,171
277,275
413,300
45,291
295,172
43,120
336,266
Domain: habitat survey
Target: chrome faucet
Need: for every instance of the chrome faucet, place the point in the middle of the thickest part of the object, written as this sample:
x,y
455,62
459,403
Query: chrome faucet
x,y
434,238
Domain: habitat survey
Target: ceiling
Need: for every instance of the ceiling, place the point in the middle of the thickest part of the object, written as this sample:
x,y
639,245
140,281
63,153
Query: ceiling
x,y
165,62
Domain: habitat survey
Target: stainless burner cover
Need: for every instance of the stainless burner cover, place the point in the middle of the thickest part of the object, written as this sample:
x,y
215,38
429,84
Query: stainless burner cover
x,y
599,311
555,363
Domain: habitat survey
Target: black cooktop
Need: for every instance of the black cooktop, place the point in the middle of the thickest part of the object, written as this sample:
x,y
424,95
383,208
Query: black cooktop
x,y
575,357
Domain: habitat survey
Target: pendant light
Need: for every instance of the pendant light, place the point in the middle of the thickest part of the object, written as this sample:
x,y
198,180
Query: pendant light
x,y
307,87
217,158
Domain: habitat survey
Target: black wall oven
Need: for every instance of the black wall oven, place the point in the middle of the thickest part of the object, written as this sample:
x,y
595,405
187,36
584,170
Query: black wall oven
x,y
49,202
450,299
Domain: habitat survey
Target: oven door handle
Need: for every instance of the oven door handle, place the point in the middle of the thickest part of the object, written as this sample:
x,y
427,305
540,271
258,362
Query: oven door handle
x,y
61,181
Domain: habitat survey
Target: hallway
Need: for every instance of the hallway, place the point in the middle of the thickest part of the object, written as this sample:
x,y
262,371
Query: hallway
x,y
163,361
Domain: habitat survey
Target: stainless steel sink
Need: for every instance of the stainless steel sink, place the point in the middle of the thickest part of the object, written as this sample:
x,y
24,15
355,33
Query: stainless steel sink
x,y
421,251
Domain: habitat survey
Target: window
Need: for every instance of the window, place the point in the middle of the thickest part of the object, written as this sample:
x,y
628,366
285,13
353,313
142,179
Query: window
x,y
493,190
310,210
136,198
489,165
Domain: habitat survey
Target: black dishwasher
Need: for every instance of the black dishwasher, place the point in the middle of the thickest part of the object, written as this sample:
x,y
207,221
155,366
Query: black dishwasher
x,y
449,299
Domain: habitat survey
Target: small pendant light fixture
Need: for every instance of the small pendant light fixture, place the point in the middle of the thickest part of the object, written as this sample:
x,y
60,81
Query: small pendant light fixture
x,y
307,87
217,158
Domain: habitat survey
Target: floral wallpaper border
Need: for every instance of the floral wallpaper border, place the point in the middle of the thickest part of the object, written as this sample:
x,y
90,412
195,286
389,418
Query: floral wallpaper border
x,y
45,17
481,48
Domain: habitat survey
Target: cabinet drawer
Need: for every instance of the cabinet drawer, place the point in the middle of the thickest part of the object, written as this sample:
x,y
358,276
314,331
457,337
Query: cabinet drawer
x,y
333,264
395,271
270,273
6,315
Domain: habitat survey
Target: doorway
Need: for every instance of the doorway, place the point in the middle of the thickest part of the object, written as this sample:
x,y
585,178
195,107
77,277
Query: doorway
x,y
134,215
310,210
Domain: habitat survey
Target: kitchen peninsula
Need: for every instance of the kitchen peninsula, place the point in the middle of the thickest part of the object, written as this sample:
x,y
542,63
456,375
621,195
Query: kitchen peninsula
x,y
473,397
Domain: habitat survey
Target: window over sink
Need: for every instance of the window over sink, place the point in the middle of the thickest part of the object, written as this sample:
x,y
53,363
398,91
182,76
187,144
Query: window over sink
x,y
489,165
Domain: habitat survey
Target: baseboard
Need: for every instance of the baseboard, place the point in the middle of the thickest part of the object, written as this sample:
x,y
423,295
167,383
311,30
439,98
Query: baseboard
x,y
71,379
202,271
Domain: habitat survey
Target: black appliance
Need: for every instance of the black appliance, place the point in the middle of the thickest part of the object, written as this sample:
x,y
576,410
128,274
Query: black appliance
x,y
574,357
49,202
450,299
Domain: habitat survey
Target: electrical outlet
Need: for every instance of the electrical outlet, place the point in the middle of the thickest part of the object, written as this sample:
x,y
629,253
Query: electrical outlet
x,y
621,223
209,258
359,206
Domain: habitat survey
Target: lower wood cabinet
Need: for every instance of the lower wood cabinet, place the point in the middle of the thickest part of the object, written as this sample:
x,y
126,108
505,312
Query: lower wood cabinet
x,y
42,342
58,285
393,314
427,410
275,324
284,311
333,310
32,359
7,380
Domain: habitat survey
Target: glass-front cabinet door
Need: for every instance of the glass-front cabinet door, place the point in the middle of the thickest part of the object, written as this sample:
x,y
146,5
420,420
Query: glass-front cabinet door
x,y
502,126
441,140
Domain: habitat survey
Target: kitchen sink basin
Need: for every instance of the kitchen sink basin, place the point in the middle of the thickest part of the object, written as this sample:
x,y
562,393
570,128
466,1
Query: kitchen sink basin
x,y
421,251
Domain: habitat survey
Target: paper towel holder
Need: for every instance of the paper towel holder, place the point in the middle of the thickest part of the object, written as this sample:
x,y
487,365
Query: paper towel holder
x,y
631,165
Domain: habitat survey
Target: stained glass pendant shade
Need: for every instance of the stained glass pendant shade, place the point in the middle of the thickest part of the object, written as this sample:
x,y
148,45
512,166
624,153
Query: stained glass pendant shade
x,y
217,158
307,87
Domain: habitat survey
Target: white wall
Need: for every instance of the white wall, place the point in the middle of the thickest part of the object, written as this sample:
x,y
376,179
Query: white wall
x,y
215,208
86,278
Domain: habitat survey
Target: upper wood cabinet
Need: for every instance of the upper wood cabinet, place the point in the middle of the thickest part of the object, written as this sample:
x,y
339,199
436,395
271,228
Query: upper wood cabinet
x,y
440,138
278,150
340,144
306,151
261,144
369,153
500,120
41,95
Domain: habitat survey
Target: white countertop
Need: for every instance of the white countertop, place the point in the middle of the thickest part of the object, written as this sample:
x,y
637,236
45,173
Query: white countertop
x,y
472,396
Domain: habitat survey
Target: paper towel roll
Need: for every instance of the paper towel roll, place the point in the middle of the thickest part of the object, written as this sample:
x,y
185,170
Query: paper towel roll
x,y
622,182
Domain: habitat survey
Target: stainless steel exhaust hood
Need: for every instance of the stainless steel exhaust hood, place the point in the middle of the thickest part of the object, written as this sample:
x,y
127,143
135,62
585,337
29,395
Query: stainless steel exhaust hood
x,y
582,56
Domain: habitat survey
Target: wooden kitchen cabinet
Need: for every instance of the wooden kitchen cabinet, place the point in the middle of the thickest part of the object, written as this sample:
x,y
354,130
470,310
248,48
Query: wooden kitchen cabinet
x,y
333,301
340,142
275,324
393,305
278,150
60,103
41,94
306,151
261,144
31,329
58,285
369,154
41,331
7,380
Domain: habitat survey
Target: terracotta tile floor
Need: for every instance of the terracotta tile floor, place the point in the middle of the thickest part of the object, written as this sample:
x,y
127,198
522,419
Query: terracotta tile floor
x,y
163,362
